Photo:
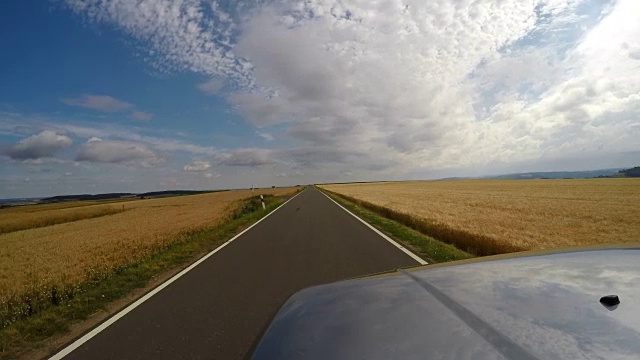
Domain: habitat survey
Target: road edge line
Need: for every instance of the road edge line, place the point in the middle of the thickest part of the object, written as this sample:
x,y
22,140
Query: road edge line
x,y
95,331
383,235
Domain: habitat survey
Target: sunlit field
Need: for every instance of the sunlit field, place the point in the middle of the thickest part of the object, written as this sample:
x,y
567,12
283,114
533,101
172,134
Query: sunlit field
x,y
35,216
95,239
511,215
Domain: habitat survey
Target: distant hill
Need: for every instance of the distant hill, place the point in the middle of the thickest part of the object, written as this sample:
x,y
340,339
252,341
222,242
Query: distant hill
x,y
559,174
633,172
111,196
175,193
18,200
83,197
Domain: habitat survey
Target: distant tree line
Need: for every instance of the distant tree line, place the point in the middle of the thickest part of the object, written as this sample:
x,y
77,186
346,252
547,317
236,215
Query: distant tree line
x,y
633,172
84,197
109,196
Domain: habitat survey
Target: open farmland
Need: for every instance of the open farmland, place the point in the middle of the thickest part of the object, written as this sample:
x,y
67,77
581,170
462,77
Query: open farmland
x,y
70,252
35,216
511,215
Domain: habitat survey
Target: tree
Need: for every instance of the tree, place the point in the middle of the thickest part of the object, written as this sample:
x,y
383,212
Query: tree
x,y
633,172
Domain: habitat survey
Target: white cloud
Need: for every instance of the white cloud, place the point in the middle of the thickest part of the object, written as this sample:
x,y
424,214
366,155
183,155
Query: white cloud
x,y
188,34
98,102
394,86
118,152
197,166
211,87
593,108
289,175
247,157
210,175
164,143
42,145
266,136
48,161
142,115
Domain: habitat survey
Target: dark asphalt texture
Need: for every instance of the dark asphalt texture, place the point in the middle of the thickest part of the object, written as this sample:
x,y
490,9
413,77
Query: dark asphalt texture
x,y
219,309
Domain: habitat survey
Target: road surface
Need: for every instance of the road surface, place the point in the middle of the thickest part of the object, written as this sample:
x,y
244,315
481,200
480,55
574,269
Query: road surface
x,y
219,309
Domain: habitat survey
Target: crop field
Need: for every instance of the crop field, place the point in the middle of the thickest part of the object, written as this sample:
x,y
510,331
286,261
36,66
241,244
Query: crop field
x,y
496,216
45,246
31,217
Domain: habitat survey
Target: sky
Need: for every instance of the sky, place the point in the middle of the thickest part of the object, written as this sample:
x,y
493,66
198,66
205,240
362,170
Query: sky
x,y
132,96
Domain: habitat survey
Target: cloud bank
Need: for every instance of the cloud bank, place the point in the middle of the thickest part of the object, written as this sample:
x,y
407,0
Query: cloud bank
x,y
197,166
118,152
142,115
42,145
98,102
400,86
246,157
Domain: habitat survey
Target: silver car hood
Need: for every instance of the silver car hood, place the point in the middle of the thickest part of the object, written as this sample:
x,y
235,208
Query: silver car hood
x,y
534,307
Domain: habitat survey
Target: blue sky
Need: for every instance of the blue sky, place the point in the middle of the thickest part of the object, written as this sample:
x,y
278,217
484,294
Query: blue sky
x,y
115,95
67,58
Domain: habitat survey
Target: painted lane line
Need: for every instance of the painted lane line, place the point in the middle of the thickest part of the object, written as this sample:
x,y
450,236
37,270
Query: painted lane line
x,y
393,242
76,344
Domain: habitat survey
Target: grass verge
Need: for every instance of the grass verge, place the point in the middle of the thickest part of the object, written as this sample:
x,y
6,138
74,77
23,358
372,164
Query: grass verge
x,y
27,332
426,247
474,244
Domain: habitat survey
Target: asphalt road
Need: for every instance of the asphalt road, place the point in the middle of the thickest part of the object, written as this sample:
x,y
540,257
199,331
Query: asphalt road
x,y
219,309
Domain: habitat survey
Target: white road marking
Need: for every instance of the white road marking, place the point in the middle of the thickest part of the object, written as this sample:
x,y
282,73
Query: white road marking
x,y
394,243
76,344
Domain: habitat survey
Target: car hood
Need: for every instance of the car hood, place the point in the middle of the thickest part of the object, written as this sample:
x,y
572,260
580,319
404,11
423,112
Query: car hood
x,y
534,307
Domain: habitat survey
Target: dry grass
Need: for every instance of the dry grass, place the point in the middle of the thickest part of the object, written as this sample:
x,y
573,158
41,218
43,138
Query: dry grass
x,y
69,253
510,215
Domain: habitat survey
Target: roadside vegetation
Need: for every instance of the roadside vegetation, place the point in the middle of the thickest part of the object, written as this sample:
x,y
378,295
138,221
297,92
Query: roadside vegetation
x,y
426,247
487,217
69,252
72,272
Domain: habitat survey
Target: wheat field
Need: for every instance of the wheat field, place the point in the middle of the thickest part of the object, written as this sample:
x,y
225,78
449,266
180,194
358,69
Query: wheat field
x,y
522,214
69,252
30,217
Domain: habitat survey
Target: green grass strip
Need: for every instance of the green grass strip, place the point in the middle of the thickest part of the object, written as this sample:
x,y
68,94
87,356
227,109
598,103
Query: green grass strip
x,y
26,334
426,247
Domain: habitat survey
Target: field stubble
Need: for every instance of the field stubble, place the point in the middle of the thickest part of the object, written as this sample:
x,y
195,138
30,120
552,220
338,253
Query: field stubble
x,y
488,217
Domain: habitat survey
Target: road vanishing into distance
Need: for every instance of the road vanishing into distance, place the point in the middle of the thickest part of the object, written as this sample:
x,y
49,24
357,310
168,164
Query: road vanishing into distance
x,y
220,308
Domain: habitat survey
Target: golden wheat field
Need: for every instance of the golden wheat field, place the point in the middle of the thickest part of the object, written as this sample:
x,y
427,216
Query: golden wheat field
x,y
526,214
65,253
29,217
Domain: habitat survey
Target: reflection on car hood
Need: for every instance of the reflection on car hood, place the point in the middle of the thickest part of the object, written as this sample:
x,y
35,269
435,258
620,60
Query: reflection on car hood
x,y
536,307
